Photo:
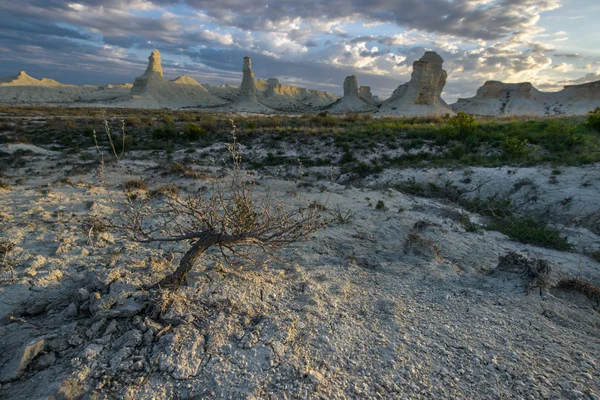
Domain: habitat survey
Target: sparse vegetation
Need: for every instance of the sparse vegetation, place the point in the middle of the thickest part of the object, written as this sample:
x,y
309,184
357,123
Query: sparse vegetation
x,y
135,184
527,230
230,217
7,261
593,120
465,123
342,217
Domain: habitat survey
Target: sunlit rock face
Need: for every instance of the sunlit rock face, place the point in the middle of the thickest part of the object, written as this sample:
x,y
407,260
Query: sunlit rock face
x,y
497,98
422,94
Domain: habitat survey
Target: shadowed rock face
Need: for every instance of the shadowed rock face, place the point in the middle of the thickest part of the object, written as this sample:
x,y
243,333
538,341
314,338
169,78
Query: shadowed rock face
x,y
422,95
364,92
499,98
248,87
351,86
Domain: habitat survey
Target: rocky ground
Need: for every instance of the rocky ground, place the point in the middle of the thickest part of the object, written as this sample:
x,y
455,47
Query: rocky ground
x,y
399,301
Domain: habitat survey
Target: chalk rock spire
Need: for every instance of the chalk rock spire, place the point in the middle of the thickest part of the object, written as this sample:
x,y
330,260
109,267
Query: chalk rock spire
x,y
154,65
351,86
422,94
248,87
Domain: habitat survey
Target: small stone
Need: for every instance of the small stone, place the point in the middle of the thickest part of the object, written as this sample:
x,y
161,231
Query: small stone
x,y
576,394
83,294
20,359
44,361
565,385
37,262
111,328
71,311
92,351
315,377
95,328
129,339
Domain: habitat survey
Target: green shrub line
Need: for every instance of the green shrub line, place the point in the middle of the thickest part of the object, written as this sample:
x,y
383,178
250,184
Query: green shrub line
x,y
526,229
460,140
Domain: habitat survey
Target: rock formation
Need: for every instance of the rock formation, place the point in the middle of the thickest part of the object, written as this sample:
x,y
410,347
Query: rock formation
x,y
22,79
352,101
351,86
364,92
24,89
248,86
151,89
292,98
422,95
498,98
154,65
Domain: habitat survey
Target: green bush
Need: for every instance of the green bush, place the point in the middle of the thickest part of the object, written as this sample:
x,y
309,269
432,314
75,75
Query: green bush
x,y
528,230
466,124
167,132
193,131
515,147
121,143
133,120
593,120
167,119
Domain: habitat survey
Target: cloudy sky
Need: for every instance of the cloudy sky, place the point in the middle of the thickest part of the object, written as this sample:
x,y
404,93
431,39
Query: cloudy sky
x,y
311,43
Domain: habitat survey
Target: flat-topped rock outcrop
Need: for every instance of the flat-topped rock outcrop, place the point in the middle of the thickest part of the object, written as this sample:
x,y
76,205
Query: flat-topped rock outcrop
x,y
422,94
497,99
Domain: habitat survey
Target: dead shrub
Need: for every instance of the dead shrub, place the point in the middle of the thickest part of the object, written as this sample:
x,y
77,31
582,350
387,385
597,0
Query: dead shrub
x,y
135,184
535,272
588,289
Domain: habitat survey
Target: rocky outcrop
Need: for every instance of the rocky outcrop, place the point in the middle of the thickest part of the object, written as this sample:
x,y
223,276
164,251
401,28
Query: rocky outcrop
x,y
154,65
364,92
352,101
248,87
351,86
422,94
151,89
292,98
497,98
22,79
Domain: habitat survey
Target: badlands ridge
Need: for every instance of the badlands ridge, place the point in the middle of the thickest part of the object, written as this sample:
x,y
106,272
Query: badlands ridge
x,y
420,96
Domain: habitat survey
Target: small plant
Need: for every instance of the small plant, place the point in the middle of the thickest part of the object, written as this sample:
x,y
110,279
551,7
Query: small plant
x,y
380,205
166,190
593,119
135,184
515,147
3,184
167,132
167,119
342,217
528,230
588,289
594,254
535,273
133,120
466,124
193,132
7,262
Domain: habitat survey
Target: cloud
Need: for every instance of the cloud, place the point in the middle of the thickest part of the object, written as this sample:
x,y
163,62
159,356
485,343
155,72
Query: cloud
x,y
313,42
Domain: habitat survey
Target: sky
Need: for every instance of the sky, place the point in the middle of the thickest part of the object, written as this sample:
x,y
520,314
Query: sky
x,y
309,43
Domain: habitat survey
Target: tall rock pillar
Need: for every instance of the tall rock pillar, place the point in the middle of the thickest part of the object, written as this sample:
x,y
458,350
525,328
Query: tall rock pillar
x,y
248,87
